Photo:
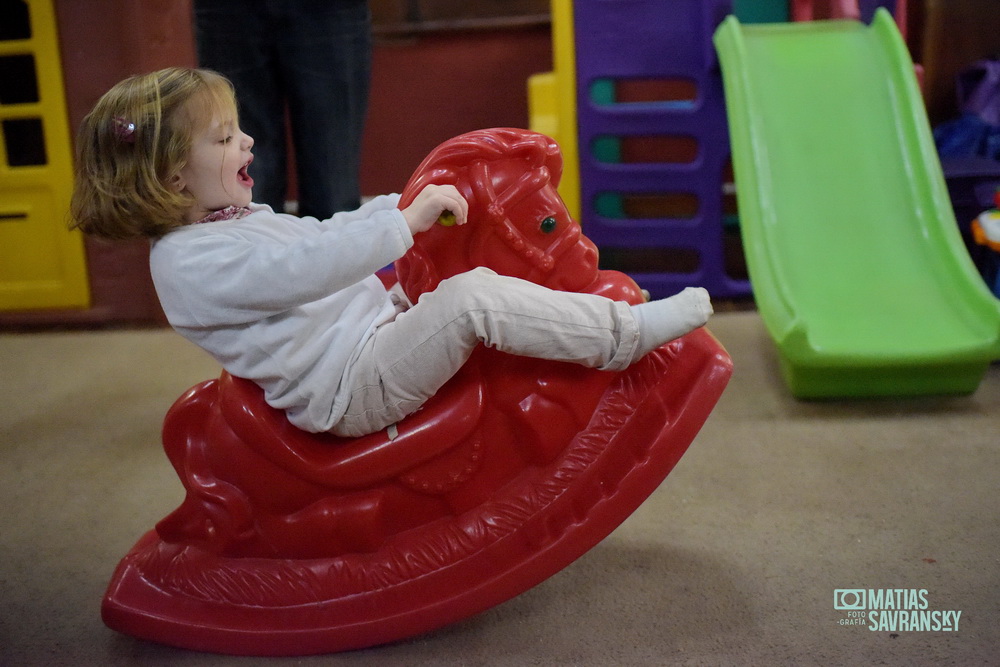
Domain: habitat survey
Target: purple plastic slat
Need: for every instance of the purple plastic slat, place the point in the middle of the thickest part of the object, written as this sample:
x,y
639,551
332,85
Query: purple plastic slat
x,y
655,40
867,8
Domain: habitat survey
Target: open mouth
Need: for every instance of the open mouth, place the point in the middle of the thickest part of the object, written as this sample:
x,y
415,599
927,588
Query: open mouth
x,y
244,176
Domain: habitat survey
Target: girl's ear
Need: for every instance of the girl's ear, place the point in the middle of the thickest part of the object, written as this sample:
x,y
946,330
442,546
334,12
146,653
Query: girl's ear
x,y
177,183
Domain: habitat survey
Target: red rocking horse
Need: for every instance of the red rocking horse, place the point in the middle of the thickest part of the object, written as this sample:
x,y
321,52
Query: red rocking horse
x,y
290,543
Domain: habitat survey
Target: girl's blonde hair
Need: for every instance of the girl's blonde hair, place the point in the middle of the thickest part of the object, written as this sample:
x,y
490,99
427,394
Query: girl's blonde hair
x,y
133,145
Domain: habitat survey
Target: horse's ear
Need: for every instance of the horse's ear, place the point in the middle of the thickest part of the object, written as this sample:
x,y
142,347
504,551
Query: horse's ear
x,y
554,161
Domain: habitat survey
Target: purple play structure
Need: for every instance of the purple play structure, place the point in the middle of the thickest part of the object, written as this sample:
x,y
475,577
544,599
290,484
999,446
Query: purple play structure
x,y
653,142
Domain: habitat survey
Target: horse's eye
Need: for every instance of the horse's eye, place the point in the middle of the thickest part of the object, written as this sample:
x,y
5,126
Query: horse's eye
x,y
548,224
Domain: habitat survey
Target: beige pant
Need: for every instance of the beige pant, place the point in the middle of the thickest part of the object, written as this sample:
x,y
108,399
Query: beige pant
x,y
410,358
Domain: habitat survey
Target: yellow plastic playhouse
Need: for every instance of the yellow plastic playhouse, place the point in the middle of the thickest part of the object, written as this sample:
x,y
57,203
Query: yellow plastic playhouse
x,y
42,263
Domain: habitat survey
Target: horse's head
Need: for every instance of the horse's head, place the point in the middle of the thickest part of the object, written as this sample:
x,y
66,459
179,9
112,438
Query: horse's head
x,y
518,224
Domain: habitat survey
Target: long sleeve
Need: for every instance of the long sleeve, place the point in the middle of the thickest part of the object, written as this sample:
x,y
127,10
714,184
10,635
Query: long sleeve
x,y
231,272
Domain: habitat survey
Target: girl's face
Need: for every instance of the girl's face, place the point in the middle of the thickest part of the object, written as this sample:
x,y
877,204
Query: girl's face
x,y
216,170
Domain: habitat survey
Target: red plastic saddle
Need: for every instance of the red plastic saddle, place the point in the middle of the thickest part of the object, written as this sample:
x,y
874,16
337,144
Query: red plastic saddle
x,y
290,543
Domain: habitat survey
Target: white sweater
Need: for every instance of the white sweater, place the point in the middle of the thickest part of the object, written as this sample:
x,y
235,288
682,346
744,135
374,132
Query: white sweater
x,y
284,301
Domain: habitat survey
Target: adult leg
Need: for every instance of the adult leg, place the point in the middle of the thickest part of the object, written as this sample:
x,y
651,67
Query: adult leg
x,y
326,65
236,38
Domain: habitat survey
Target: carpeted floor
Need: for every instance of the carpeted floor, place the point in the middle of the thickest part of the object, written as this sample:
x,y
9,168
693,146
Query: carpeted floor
x,y
734,560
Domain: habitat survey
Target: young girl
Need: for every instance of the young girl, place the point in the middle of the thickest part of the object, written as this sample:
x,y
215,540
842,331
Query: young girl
x,y
293,303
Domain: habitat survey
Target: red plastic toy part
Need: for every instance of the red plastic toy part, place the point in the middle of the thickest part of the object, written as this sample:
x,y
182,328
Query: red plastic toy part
x,y
290,543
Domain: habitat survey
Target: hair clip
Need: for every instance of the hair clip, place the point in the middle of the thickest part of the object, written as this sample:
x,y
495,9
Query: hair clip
x,y
124,130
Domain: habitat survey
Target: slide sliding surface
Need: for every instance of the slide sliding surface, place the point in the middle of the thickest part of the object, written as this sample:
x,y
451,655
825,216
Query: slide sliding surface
x,y
856,261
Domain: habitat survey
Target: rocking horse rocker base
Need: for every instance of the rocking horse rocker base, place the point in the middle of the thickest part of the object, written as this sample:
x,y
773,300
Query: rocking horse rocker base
x,y
448,570
290,543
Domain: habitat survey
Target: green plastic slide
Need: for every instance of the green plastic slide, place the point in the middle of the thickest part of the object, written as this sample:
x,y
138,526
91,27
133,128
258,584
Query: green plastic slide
x,y
857,265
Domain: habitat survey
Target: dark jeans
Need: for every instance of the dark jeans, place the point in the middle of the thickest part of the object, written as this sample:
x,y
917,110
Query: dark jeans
x,y
313,56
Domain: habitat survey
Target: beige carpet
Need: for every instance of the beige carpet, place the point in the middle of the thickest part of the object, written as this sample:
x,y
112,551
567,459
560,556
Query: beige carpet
x,y
734,560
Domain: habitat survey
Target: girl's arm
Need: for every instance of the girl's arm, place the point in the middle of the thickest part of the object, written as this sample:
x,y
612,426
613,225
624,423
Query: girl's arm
x,y
264,265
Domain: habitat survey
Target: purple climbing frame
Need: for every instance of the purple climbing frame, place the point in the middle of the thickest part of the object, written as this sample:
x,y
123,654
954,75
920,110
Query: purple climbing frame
x,y
654,146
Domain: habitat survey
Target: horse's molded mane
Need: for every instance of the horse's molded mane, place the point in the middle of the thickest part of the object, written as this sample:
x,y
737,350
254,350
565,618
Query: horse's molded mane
x,y
449,162
494,170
